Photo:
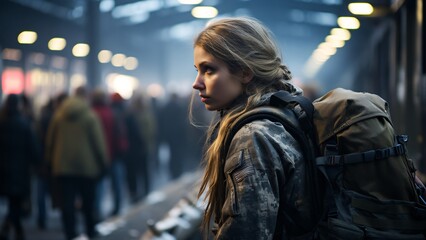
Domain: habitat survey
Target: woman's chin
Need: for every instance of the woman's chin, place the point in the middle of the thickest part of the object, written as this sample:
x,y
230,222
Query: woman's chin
x,y
210,107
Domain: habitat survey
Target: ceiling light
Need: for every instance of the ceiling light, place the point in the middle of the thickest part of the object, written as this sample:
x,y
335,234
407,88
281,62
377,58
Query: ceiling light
x,y
341,33
192,2
335,41
123,84
361,8
104,56
27,37
326,48
118,60
348,22
81,50
204,12
106,5
57,44
318,55
130,63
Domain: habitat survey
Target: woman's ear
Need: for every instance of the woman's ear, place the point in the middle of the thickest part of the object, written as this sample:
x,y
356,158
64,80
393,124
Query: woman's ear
x,y
247,76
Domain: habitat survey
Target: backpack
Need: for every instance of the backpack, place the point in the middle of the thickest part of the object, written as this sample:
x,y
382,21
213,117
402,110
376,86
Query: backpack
x,y
362,183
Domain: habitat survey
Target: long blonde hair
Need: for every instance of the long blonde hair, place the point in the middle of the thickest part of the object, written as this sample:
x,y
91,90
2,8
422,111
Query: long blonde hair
x,y
244,44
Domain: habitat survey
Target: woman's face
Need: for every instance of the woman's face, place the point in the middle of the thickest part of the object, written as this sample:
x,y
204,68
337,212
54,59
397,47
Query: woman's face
x,y
217,87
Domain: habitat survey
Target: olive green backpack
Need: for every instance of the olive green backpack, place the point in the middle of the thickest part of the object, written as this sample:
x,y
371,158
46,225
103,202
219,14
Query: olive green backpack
x,y
363,183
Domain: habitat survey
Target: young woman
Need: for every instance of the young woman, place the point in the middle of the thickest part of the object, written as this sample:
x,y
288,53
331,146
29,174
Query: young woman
x,y
256,190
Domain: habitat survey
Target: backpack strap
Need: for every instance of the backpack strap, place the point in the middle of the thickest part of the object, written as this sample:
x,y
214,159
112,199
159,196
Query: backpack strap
x,y
368,156
283,98
265,112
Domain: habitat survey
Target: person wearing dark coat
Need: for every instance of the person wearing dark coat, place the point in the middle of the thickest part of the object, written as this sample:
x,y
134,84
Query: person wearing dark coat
x,y
102,108
18,154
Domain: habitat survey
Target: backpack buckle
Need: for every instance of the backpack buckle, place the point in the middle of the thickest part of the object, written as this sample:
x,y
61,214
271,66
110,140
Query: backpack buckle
x,y
333,159
402,139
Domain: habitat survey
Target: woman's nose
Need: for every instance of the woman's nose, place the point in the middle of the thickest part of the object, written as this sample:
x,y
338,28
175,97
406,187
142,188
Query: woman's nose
x,y
198,83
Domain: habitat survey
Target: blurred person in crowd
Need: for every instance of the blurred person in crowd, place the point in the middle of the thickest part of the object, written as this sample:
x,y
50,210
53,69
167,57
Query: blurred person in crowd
x,y
76,149
195,138
120,147
254,185
156,112
142,136
19,153
27,110
173,129
101,106
44,170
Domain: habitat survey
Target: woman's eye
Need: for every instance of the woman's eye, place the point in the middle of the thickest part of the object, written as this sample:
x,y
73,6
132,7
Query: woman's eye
x,y
209,70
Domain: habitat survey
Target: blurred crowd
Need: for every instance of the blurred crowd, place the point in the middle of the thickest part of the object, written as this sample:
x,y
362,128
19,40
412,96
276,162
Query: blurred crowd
x,y
83,145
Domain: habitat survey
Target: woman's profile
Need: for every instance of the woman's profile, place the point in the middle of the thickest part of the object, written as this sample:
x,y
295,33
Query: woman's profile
x,y
255,190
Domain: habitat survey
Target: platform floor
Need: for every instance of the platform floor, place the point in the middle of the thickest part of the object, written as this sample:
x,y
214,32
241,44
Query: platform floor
x,y
131,223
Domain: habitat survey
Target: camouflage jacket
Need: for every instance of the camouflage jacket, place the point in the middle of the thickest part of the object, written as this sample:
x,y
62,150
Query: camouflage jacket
x,y
265,179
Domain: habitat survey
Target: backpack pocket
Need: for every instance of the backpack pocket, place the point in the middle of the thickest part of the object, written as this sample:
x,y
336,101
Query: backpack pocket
x,y
397,215
364,217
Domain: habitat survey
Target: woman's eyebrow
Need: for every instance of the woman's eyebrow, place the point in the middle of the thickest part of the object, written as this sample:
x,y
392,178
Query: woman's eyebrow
x,y
202,64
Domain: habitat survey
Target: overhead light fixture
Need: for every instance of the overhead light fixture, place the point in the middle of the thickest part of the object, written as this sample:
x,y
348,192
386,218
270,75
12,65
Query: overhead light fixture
x,y
118,60
191,2
81,50
334,41
125,85
104,56
326,48
318,55
348,22
341,33
106,5
361,8
204,12
130,63
27,37
57,44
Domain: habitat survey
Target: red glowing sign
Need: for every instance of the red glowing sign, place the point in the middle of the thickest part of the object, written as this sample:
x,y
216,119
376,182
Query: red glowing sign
x,y
12,81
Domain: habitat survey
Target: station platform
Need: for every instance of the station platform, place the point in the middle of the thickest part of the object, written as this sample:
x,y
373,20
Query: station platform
x,y
161,209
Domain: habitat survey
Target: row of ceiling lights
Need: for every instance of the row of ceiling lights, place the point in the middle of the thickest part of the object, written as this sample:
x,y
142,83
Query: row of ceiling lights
x,y
325,50
139,11
337,37
78,50
104,56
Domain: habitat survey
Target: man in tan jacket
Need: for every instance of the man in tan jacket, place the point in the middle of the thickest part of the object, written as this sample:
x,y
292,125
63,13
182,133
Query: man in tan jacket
x,y
76,150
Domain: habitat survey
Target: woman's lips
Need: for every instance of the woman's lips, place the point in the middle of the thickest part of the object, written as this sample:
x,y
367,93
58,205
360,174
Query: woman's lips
x,y
203,98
